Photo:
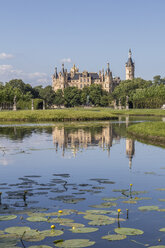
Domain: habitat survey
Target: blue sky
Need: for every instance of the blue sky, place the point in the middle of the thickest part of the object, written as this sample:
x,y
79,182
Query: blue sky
x,y
37,35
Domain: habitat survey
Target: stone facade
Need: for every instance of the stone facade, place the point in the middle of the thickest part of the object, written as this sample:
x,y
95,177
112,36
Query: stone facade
x,y
64,79
129,67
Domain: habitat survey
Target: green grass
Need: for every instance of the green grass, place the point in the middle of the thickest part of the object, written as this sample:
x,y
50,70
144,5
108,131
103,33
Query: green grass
x,y
73,114
154,131
140,112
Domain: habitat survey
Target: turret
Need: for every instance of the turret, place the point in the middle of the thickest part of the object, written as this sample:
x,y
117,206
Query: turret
x,y
129,67
55,74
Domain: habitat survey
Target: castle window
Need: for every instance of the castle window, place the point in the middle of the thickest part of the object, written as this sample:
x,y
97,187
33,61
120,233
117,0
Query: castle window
x,y
88,80
81,80
105,85
80,85
84,80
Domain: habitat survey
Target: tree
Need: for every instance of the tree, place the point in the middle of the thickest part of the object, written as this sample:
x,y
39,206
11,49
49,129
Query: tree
x,y
48,95
59,98
72,97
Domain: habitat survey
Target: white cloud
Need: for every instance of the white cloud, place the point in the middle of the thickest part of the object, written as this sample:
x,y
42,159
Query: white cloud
x,y
7,72
66,60
6,56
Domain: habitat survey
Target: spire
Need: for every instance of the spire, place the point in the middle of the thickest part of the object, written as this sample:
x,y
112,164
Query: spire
x,y
108,70
55,74
63,69
130,53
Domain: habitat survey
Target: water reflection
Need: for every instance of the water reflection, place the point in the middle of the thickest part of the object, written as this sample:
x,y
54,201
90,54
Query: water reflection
x,y
74,138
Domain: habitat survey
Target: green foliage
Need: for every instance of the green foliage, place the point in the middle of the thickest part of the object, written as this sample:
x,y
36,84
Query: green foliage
x,y
59,98
72,96
47,94
128,88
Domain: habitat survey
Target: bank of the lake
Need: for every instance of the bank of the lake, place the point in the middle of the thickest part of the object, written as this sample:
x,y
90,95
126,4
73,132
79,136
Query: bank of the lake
x,y
151,131
73,114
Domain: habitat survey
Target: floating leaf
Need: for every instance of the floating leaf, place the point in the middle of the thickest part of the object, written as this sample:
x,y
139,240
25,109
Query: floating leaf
x,y
110,199
139,192
114,237
148,208
7,217
73,200
130,202
98,211
128,231
84,230
104,205
51,233
33,235
72,224
157,246
96,217
162,200
39,246
75,243
60,220
19,230
162,230
36,219
161,189
142,198
100,222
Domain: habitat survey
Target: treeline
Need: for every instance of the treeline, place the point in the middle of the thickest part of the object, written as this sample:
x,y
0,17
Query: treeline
x,y
141,94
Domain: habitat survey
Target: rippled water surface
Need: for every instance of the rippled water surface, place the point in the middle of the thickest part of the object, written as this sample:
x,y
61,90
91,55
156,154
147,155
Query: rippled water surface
x,y
81,166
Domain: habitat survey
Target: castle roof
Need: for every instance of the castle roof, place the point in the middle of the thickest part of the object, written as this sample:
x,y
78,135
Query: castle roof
x,y
76,76
129,62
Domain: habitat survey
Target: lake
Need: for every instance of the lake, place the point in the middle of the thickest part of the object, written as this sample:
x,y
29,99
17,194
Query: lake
x,y
93,173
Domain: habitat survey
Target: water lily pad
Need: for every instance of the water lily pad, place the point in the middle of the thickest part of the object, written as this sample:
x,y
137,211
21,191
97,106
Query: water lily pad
x,y
162,230
162,200
104,205
7,217
110,199
100,222
36,219
113,237
130,202
139,192
157,246
84,230
96,217
60,220
72,224
128,231
100,211
40,246
33,235
148,208
161,189
19,230
73,200
51,233
75,243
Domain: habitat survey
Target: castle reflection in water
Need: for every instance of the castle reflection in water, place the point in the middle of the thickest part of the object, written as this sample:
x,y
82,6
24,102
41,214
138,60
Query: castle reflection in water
x,y
78,139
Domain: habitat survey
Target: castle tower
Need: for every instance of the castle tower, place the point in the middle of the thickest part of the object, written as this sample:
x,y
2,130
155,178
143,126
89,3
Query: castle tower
x,y
129,67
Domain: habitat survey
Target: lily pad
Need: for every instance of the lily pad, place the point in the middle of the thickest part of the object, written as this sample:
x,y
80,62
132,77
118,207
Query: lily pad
x,y
19,230
162,200
128,231
39,246
104,205
84,230
7,217
162,230
161,189
148,208
113,237
36,219
100,222
130,202
75,243
98,211
51,233
33,235
72,224
110,199
60,220
157,246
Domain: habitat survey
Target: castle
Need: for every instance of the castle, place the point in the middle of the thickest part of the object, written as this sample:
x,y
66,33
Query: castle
x,y
64,79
